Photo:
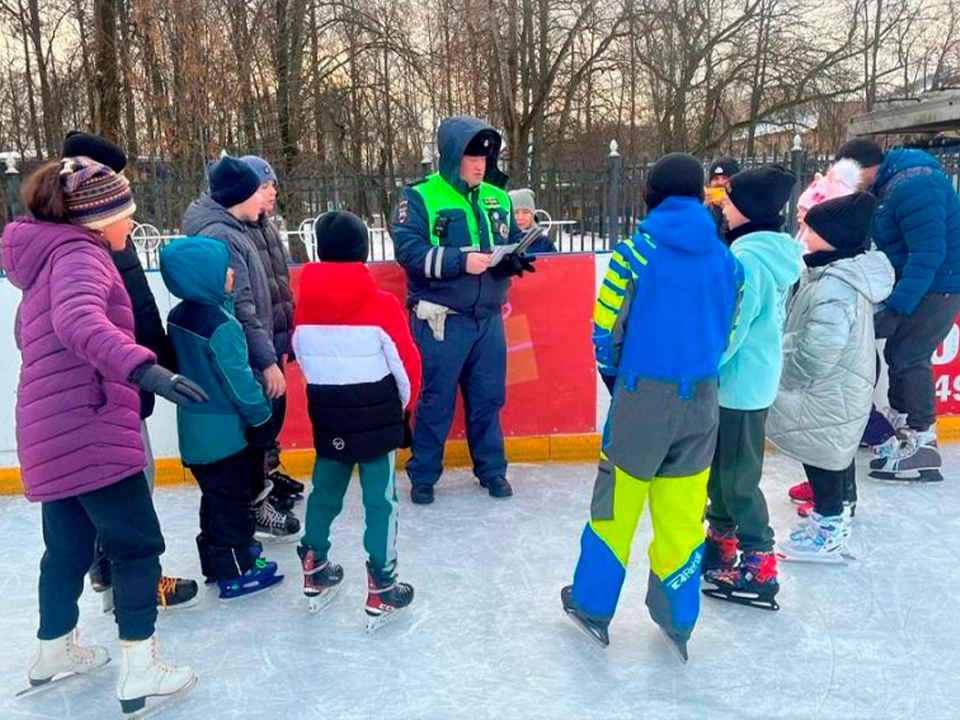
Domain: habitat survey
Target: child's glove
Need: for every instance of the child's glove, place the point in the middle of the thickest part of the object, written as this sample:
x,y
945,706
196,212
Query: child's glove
x,y
160,381
260,436
513,265
407,431
885,321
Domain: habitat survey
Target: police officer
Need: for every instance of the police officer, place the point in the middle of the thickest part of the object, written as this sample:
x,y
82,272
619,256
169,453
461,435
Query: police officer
x,y
444,230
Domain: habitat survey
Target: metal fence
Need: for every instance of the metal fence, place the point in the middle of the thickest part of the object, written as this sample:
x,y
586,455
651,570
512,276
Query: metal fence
x,y
586,208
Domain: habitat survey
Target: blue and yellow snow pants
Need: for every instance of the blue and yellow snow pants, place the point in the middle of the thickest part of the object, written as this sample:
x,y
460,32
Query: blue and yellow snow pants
x,y
676,511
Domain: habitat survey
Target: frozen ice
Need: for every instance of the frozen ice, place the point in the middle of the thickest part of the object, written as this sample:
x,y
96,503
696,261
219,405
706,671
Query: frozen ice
x,y
486,637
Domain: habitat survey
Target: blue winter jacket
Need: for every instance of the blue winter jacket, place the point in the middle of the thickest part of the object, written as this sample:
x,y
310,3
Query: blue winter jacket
x,y
750,367
449,285
917,226
211,349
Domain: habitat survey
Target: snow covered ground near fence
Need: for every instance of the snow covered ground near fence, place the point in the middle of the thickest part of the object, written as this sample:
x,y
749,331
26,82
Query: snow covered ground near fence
x,y
486,638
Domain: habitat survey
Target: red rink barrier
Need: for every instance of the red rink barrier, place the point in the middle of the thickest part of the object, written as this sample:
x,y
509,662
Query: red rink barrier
x,y
551,381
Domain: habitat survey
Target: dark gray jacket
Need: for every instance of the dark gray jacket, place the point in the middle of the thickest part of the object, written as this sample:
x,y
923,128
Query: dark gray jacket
x,y
251,289
273,256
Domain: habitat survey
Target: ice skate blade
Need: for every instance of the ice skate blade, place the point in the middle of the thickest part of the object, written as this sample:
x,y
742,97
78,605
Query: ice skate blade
x,y
278,539
600,637
839,559
678,648
319,602
55,681
741,597
266,584
375,622
144,707
192,602
930,475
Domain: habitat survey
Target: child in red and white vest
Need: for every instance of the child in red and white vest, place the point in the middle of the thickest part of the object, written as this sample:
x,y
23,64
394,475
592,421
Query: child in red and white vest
x,y
362,370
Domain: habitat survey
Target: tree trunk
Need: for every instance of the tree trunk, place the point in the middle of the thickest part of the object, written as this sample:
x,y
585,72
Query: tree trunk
x,y
129,104
51,130
107,121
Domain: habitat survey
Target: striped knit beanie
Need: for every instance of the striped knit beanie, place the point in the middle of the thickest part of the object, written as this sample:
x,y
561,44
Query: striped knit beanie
x,y
96,196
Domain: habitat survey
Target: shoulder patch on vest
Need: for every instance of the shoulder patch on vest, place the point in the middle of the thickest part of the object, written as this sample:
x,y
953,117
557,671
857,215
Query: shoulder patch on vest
x,y
403,210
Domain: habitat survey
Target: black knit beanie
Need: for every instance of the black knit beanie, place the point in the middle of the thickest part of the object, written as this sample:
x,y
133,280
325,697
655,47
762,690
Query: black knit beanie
x,y
866,152
844,222
676,174
725,166
232,181
341,237
77,144
761,193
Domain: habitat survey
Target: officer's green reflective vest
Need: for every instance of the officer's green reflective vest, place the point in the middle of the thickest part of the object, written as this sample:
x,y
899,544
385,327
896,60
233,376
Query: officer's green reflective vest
x,y
440,195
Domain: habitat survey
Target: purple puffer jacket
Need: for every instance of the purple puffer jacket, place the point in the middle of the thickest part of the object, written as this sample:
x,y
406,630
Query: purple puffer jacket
x,y
78,417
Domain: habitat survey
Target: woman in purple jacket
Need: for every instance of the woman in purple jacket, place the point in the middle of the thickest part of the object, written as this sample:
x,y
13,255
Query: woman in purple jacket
x,y
78,423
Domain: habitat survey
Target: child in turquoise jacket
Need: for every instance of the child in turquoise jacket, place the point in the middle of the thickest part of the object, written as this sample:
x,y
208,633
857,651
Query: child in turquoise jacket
x,y
219,440
749,377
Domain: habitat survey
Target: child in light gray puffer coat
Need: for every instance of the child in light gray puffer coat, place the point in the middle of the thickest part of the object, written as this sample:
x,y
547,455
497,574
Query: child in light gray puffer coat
x,y
828,372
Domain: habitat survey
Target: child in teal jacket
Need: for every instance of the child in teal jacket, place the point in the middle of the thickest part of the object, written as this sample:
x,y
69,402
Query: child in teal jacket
x,y
749,377
219,441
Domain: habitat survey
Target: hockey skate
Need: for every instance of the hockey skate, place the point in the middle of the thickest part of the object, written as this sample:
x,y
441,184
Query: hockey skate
x,y
175,593
719,550
273,525
676,644
285,486
146,684
386,598
817,539
321,579
801,493
261,576
596,628
917,459
61,659
753,582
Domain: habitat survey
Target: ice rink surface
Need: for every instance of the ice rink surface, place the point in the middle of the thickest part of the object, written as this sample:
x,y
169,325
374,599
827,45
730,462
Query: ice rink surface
x,y
486,637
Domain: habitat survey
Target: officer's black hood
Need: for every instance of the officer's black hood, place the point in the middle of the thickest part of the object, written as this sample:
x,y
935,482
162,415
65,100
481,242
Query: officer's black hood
x,y
454,135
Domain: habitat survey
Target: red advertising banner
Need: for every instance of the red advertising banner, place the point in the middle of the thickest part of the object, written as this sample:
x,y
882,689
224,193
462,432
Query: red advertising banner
x,y
946,374
551,381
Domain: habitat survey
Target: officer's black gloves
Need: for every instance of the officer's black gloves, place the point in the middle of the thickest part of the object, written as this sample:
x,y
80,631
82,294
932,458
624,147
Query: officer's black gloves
x,y
160,381
407,431
513,266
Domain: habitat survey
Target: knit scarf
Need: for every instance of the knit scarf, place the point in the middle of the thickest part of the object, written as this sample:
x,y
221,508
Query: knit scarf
x,y
825,257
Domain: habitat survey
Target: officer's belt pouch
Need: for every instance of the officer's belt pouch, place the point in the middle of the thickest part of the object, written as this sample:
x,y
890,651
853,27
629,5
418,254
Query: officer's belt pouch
x,y
435,316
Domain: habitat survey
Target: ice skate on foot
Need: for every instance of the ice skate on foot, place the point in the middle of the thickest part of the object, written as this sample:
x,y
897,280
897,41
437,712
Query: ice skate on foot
x,y
61,659
176,593
146,683
916,460
275,526
720,550
262,576
801,493
386,598
752,583
679,646
321,578
817,539
595,628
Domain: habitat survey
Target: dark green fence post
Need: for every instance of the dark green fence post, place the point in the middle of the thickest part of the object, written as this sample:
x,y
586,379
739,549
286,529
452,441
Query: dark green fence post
x,y
11,189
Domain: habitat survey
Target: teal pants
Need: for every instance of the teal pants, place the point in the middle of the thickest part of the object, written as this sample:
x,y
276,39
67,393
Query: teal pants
x,y
379,488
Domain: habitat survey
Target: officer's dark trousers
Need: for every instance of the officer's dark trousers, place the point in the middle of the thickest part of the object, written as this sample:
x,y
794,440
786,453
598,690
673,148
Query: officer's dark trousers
x,y
473,357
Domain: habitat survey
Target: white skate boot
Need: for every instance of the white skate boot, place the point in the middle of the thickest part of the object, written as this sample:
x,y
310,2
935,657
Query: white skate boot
x,y
817,539
143,676
61,659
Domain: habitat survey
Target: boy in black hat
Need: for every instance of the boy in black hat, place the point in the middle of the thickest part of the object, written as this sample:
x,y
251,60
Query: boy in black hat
x,y
362,370
826,388
721,170
749,376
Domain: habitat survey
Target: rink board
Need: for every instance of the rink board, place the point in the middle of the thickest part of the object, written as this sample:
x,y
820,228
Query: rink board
x,y
555,404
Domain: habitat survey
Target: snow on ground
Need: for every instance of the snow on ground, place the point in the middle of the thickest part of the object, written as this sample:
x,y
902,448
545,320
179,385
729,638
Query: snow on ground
x,y
486,637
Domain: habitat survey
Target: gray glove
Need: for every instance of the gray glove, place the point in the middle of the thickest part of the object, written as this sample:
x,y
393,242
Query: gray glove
x,y
160,381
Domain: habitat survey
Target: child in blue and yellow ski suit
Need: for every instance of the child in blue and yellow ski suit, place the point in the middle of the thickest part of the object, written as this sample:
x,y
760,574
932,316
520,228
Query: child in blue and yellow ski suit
x,y
661,322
